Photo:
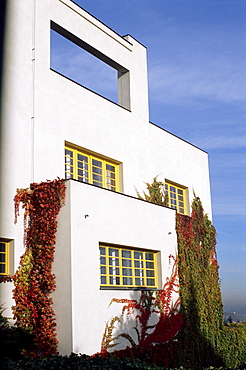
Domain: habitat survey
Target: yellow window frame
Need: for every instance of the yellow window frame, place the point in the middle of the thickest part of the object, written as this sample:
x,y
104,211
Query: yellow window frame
x,y
124,267
88,171
4,258
176,197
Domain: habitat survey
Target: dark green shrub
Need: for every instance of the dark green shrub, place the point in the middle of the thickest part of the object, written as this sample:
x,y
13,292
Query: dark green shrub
x,y
13,340
56,362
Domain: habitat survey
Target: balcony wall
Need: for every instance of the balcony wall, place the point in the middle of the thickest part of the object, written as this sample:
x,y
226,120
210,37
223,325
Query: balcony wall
x,y
92,215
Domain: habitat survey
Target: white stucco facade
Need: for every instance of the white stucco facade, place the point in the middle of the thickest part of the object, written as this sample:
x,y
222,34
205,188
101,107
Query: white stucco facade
x,y
41,111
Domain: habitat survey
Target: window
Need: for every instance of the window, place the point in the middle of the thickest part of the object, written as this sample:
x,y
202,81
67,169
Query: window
x,y
176,197
91,169
4,258
127,268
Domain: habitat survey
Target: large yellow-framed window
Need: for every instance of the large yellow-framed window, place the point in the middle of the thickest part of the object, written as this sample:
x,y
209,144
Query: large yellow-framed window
x,y
176,197
4,258
89,168
122,267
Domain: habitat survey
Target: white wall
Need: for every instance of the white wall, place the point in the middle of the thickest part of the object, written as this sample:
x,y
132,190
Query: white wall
x,y
42,109
114,219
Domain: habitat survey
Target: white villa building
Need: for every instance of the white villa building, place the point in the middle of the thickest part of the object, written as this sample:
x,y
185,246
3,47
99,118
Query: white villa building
x,y
111,149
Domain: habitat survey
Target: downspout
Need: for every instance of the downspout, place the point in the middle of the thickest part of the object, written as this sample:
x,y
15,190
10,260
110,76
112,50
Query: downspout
x,y
33,89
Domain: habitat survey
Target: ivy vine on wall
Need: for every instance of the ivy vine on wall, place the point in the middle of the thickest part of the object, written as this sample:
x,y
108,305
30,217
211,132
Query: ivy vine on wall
x,y
34,280
203,340
156,322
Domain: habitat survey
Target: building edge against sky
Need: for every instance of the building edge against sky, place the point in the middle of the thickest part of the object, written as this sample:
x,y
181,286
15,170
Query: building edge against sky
x,y
111,149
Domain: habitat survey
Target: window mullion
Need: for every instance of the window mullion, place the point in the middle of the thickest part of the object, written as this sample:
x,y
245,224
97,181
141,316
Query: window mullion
x,y
133,268
7,257
90,168
107,266
144,269
104,180
75,166
121,267
155,271
117,178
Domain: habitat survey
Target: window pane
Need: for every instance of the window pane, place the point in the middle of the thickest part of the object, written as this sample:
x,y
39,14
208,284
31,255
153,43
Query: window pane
x,y
2,247
114,261
102,250
99,184
149,256
140,273
149,265
139,281
68,176
110,168
68,168
103,270
97,178
2,269
82,158
127,272
150,273
69,160
111,175
110,182
83,173
103,279
97,170
113,252
83,179
97,163
127,281
68,152
114,271
150,282
138,263
103,260
114,280
2,257
126,263
110,187
126,254
138,255
83,165
173,189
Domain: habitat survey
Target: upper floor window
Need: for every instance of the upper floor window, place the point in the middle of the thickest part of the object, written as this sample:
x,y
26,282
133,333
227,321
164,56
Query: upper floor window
x,y
4,257
89,168
122,267
176,197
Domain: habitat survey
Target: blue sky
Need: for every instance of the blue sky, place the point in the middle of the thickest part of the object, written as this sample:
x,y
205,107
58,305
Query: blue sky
x,y
197,90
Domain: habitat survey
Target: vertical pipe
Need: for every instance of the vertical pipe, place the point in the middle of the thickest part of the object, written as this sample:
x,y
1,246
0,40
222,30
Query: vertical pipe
x,y
33,89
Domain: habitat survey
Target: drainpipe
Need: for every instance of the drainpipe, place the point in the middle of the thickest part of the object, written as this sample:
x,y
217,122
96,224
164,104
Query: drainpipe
x,y
33,89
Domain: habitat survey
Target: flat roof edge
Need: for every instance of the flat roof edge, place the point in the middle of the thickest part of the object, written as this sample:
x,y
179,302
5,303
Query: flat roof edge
x,y
122,37
161,128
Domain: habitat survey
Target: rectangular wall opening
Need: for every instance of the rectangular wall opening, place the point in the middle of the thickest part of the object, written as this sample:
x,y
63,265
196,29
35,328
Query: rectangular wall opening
x,y
83,64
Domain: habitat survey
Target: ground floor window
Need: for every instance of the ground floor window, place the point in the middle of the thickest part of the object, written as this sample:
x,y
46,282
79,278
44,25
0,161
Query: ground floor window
x,y
127,267
4,257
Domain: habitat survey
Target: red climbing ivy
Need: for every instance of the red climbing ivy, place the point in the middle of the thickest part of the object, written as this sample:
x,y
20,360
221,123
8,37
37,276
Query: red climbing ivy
x,y
34,280
155,342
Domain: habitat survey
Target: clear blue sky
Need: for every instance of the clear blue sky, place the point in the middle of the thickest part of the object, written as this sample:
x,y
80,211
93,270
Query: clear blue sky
x,y
197,90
